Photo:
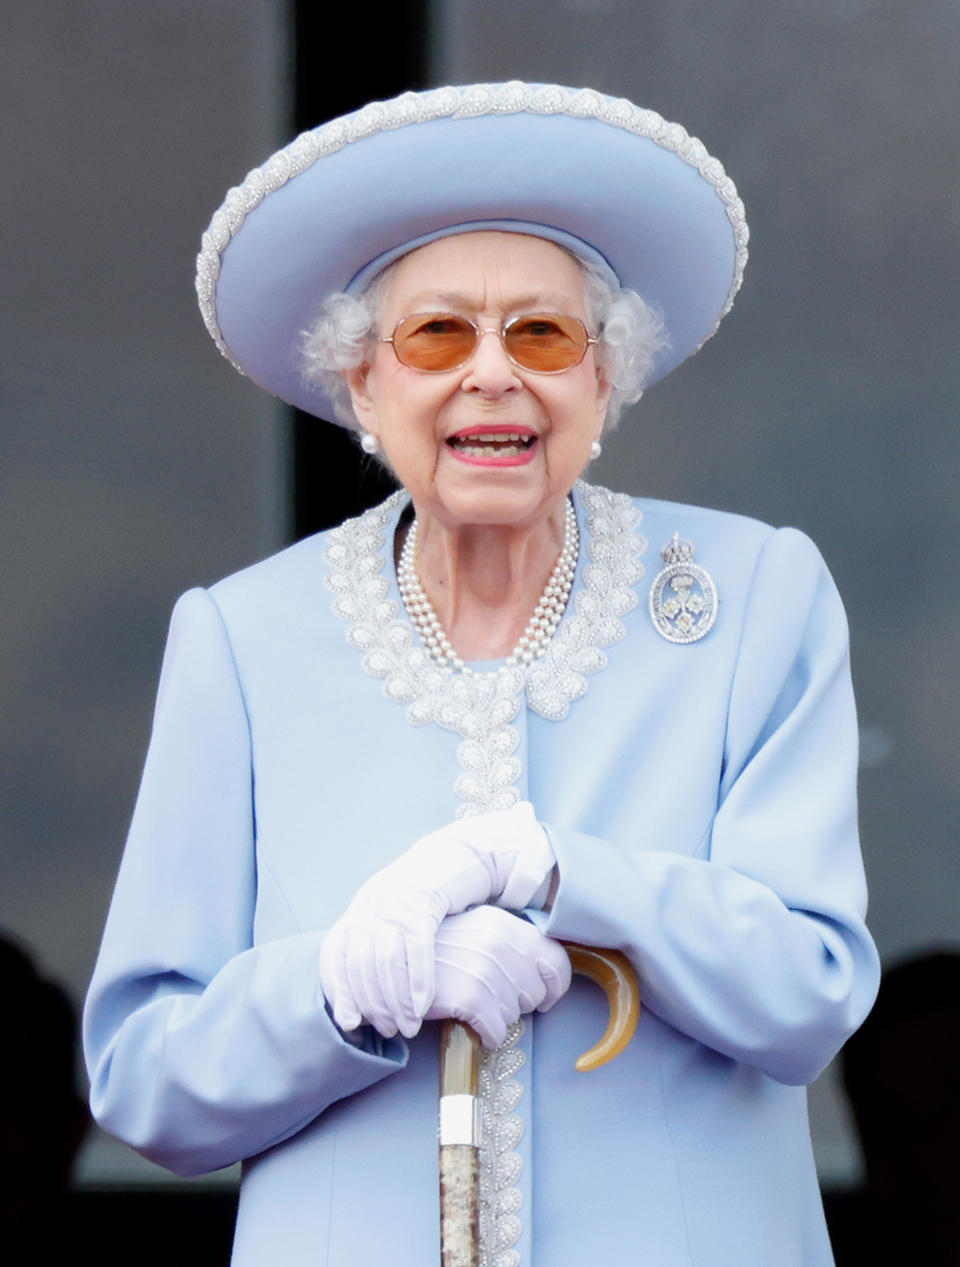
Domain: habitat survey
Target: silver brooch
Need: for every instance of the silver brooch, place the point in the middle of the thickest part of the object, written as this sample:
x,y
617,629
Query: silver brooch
x,y
683,597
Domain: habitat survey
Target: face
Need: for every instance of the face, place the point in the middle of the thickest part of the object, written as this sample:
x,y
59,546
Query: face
x,y
430,425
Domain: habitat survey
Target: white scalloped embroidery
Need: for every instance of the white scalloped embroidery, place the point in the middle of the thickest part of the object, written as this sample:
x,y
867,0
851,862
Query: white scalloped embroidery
x,y
614,547
500,1201
481,709
451,102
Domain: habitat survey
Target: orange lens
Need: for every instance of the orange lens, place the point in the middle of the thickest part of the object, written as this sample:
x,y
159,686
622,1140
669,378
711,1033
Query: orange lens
x,y
546,342
434,341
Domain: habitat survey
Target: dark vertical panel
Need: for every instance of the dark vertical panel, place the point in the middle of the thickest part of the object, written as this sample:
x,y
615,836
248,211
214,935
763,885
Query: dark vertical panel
x,y
345,57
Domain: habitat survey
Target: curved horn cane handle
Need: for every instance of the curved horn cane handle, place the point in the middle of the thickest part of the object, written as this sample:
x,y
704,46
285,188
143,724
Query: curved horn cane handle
x,y
460,1124
609,969
613,972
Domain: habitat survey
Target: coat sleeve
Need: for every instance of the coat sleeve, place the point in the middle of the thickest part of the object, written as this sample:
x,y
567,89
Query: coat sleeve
x,y
202,1048
753,941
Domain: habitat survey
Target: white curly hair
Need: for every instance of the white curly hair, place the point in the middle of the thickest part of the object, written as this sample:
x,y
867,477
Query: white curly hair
x,y
631,333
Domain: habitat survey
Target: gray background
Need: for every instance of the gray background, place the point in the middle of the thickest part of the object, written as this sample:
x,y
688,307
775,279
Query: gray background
x,y
135,463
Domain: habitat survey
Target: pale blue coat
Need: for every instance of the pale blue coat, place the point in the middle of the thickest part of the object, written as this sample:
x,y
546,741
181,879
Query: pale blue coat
x,y
701,802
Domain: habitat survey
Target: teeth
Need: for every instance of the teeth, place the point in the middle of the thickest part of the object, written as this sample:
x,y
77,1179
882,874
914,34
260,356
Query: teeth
x,y
492,451
498,437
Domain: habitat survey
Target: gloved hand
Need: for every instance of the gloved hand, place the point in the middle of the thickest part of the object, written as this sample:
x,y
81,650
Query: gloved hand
x,y
376,963
491,967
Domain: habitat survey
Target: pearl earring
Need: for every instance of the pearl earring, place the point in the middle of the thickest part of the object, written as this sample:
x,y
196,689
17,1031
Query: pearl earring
x,y
369,443
595,450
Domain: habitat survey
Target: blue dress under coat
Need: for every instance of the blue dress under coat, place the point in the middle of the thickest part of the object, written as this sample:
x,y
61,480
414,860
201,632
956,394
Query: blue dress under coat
x,y
701,802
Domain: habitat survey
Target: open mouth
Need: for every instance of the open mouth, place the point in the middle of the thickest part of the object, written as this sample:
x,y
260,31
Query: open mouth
x,y
485,444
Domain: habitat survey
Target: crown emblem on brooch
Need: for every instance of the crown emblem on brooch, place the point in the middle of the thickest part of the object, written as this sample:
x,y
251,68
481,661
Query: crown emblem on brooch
x,y
683,597
677,550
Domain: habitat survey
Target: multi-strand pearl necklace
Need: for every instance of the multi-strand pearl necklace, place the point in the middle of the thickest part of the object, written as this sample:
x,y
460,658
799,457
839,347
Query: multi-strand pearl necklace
x,y
540,628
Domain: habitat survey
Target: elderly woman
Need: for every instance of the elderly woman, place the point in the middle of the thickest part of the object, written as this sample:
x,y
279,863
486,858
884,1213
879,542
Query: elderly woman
x,y
393,765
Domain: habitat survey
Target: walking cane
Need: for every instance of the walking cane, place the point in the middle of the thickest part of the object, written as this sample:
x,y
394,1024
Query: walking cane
x,y
460,1105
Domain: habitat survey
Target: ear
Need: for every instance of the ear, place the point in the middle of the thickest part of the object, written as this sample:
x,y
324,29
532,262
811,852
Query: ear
x,y
360,397
604,390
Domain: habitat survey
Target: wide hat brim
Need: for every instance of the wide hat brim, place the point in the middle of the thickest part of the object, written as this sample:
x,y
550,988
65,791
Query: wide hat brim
x,y
553,161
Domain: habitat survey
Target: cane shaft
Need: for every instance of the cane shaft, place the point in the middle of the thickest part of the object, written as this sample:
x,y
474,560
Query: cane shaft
x,y
459,1059
459,1146
459,1205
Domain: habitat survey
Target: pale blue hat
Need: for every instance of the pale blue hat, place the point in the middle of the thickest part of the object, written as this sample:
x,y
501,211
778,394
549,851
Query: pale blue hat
x,y
612,182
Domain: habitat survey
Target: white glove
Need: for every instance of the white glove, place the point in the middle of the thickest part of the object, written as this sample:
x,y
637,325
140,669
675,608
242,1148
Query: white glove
x,y
491,967
376,963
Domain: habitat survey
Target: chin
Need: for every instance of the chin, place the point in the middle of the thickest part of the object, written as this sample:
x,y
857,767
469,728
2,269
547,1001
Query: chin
x,y
498,505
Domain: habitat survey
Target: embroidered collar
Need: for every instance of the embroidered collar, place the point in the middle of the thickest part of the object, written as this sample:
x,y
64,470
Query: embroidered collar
x,y
380,629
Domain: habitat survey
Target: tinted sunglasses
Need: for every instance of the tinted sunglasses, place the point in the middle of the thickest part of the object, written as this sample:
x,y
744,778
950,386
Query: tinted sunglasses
x,y
542,342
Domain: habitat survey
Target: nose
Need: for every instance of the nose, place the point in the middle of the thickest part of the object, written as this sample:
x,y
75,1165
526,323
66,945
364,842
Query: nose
x,y
489,370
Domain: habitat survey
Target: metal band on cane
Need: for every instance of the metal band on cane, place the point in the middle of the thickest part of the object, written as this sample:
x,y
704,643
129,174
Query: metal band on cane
x,y
460,1120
